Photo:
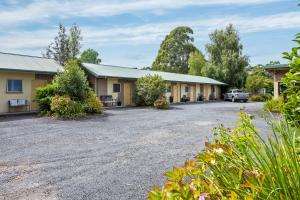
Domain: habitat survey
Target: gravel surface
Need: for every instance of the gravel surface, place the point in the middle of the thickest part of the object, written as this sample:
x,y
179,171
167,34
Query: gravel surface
x,y
118,155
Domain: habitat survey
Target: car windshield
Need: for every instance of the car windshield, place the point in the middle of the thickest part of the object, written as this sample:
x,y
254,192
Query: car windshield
x,y
239,91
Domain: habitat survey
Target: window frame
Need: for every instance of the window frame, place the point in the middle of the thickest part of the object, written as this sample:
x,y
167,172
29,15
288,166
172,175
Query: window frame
x,y
186,89
169,89
113,88
13,92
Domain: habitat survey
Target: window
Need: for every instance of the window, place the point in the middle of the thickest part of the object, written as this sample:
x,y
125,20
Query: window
x,y
116,87
14,86
201,89
169,89
212,88
186,89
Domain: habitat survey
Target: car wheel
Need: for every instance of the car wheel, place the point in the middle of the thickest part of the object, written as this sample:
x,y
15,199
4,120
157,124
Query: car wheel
x,y
233,100
245,101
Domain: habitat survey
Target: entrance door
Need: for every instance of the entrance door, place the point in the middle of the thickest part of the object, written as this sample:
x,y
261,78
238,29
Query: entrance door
x,y
127,94
192,93
175,93
35,84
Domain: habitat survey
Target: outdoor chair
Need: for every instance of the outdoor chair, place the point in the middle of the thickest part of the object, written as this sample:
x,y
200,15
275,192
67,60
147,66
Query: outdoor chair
x,y
13,103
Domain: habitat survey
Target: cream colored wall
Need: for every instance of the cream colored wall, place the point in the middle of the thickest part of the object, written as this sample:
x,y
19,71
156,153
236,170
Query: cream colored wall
x,y
197,90
277,76
26,78
110,82
207,91
168,94
218,92
182,90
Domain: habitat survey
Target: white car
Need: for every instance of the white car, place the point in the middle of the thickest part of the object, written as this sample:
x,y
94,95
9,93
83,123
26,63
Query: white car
x,y
236,95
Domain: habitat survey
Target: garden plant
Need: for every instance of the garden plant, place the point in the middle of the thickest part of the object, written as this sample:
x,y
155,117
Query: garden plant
x,y
68,96
149,89
242,163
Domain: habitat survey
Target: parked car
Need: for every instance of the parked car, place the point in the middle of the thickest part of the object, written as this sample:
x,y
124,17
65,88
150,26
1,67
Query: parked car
x,y
236,95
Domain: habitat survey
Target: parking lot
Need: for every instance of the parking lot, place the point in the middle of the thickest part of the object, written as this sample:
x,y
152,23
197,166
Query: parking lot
x,y
118,155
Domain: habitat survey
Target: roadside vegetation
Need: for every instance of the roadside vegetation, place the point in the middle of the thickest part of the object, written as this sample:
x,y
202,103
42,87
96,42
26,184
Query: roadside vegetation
x,y
241,164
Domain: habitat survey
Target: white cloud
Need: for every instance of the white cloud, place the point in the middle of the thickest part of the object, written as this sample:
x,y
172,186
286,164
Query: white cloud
x,y
152,33
39,10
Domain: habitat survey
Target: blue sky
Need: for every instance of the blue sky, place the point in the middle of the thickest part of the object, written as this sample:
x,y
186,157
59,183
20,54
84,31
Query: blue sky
x,y
129,32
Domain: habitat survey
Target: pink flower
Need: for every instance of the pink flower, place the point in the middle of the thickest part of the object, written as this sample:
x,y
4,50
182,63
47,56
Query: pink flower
x,y
202,196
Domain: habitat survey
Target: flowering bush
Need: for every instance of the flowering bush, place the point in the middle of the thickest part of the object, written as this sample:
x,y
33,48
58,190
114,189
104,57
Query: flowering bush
x,y
65,108
239,164
93,104
161,104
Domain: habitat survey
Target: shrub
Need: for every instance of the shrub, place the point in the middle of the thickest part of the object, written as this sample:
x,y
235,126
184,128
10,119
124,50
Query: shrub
x,y
256,98
274,105
161,104
149,89
72,81
93,104
65,108
261,98
44,96
291,109
239,164
267,96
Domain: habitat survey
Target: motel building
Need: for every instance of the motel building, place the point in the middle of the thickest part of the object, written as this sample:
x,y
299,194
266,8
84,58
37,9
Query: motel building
x,y
278,72
20,75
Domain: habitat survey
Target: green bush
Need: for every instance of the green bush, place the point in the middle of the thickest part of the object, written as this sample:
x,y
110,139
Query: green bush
x,y
258,79
239,164
161,104
72,81
64,107
256,98
291,108
149,89
260,98
93,104
267,96
44,96
274,105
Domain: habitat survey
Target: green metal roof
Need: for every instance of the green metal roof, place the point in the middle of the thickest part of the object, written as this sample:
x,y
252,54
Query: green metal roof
x,y
277,66
133,73
17,62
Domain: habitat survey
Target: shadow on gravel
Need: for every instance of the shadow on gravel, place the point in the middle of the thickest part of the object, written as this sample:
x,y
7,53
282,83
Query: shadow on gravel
x,y
6,118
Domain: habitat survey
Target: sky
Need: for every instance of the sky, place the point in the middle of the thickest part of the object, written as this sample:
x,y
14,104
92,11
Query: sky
x,y
129,32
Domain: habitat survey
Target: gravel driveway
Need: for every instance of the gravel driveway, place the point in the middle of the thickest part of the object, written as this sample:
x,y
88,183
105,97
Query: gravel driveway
x,y
118,155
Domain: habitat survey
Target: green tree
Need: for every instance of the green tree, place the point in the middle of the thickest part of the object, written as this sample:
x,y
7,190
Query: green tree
x,y
65,46
175,50
149,89
291,108
72,81
258,79
196,63
226,59
90,56
74,41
